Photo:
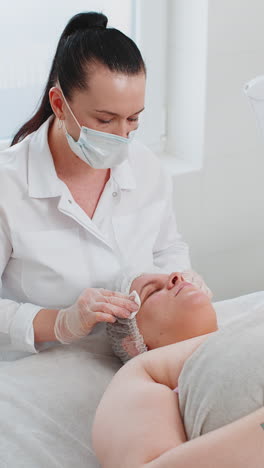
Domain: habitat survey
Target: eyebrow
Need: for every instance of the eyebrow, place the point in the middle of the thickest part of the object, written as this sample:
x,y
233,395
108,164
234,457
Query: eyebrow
x,y
114,113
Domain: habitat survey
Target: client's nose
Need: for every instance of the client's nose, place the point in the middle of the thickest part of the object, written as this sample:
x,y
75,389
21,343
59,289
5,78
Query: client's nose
x,y
174,278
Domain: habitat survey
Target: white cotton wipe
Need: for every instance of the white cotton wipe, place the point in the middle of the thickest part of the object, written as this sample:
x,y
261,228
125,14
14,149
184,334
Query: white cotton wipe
x,y
137,300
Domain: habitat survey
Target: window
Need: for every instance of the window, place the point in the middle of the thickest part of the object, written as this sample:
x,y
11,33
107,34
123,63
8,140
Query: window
x,y
29,32
186,82
150,34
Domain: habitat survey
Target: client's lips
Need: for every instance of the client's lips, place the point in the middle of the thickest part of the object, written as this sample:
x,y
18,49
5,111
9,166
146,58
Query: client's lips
x,y
182,285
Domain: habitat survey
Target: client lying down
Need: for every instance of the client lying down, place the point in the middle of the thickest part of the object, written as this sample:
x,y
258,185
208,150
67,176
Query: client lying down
x,y
170,310
142,422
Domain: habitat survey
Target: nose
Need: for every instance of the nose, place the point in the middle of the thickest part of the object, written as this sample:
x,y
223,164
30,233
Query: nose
x,y
174,278
123,129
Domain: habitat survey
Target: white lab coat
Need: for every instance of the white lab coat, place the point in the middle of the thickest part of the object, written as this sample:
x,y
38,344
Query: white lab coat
x,y
50,250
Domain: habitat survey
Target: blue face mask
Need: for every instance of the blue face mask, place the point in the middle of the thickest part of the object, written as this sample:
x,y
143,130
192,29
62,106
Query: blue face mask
x,y
98,149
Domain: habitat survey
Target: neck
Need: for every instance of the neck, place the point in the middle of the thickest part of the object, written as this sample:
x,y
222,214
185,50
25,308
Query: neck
x,y
67,164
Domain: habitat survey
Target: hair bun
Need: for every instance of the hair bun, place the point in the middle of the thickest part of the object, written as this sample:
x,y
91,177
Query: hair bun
x,y
83,21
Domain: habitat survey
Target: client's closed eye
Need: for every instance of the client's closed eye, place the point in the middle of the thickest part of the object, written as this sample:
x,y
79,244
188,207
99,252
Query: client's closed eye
x,y
153,291
150,289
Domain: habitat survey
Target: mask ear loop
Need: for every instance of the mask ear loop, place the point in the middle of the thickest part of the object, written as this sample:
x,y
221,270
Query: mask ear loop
x,y
65,100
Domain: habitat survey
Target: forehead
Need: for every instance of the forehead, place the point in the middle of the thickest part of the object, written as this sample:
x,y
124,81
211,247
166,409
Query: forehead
x,y
112,91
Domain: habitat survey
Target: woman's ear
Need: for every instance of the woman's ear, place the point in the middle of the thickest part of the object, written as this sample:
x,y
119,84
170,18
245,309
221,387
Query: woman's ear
x,y
56,102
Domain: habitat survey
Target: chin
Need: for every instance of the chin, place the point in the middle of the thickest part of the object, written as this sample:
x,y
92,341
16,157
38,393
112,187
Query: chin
x,y
196,297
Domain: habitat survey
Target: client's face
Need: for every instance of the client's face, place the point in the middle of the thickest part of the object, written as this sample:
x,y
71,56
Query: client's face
x,y
172,310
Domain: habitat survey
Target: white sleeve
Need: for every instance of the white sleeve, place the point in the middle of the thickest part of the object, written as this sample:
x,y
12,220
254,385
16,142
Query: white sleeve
x,y
170,252
16,319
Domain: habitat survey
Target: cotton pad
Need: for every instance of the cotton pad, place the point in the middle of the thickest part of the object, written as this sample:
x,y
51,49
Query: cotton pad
x,y
137,300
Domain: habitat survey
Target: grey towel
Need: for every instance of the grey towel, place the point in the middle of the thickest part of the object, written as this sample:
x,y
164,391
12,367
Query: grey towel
x,y
224,379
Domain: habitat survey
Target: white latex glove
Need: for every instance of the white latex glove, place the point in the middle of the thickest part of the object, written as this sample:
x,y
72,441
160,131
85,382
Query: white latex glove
x,y
92,306
193,277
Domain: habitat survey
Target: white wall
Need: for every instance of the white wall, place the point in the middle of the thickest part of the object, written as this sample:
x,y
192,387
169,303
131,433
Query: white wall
x,y
187,74
220,209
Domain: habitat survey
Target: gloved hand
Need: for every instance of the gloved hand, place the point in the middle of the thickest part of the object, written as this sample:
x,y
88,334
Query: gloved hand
x,y
92,306
193,277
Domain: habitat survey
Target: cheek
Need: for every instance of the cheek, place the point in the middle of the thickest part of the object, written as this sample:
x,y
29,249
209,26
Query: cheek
x,y
194,298
150,316
148,312
195,316
91,122
156,307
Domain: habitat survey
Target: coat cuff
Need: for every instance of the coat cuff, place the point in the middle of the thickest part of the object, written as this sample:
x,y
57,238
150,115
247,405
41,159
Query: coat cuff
x,y
21,329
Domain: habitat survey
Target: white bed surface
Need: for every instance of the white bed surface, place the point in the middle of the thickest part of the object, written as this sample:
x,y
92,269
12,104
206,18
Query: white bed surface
x,y
47,405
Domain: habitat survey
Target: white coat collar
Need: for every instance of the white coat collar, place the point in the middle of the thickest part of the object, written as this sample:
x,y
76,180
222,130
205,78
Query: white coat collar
x,y
43,181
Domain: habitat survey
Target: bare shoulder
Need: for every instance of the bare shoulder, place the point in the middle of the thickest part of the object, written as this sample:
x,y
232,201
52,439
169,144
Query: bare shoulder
x,y
136,419
139,405
165,364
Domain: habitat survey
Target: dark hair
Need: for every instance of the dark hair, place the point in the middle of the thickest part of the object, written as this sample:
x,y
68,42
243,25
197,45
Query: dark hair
x,y
85,40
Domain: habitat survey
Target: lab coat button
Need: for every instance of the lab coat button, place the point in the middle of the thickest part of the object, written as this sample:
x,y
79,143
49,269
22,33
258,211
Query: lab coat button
x,y
70,201
114,194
